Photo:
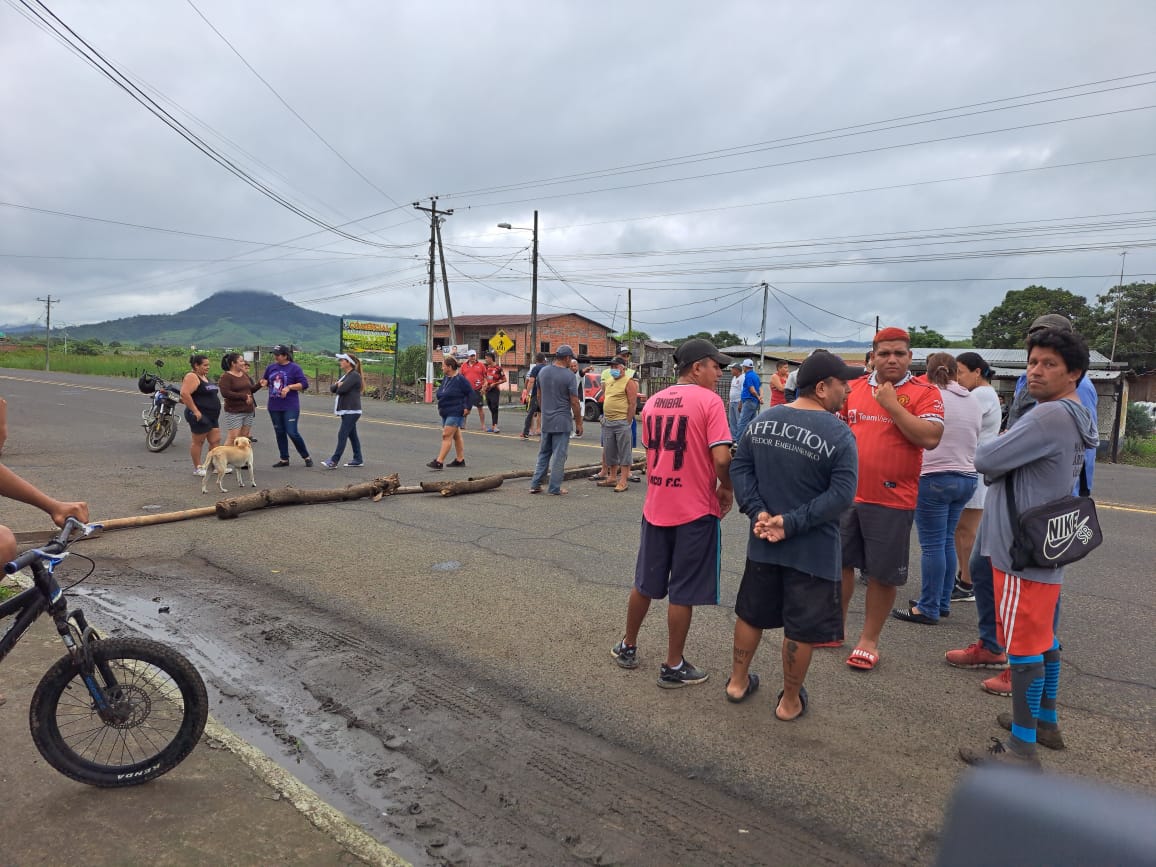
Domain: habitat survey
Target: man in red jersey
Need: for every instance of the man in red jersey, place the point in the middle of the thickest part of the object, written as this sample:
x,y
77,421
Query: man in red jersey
x,y
475,373
894,418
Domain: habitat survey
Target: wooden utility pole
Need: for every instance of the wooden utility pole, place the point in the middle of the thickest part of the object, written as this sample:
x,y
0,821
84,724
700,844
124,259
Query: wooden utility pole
x,y
48,302
446,284
763,332
1119,292
629,310
434,213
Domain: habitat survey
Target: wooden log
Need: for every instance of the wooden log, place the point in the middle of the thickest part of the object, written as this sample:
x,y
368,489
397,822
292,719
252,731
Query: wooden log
x,y
463,486
291,496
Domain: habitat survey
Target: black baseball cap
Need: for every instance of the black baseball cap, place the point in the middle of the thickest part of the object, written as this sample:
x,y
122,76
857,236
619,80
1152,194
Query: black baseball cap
x,y
824,365
698,349
282,349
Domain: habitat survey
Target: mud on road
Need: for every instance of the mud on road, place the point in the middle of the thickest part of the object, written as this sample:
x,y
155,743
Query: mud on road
x,y
423,753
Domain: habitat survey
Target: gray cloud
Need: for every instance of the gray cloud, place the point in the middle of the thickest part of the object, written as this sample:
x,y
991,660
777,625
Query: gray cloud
x,y
453,98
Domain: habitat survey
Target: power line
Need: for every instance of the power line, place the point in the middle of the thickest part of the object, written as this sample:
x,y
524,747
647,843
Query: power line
x,y
291,109
94,58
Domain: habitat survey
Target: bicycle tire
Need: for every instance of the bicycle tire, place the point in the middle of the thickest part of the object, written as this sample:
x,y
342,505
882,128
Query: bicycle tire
x,y
162,705
161,433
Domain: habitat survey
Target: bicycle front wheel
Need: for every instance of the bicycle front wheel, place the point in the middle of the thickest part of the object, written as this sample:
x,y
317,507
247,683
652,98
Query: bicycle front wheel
x,y
161,433
155,708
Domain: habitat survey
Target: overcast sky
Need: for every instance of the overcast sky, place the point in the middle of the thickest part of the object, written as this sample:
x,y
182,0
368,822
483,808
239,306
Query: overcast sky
x,y
685,151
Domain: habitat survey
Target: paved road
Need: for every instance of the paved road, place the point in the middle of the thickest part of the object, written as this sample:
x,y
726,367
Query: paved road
x,y
538,595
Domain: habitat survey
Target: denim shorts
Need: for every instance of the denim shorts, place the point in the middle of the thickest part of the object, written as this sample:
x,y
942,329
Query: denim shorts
x,y
452,420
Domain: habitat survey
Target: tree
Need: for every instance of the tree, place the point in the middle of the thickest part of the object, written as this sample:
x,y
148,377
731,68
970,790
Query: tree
x,y
926,337
1006,325
630,336
719,338
411,363
1136,337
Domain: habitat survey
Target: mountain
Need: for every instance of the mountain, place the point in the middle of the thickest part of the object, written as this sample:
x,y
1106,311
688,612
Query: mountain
x,y
238,319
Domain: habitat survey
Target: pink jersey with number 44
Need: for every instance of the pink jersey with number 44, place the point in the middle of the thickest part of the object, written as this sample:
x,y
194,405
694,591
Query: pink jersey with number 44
x,y
680,426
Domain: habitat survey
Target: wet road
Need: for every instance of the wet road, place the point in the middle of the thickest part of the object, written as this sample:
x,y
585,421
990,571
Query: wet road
x,y
473,634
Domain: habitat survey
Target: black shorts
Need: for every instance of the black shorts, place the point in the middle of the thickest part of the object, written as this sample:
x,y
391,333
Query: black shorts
x,y
476,400
206,424
684,561
877,541
807,608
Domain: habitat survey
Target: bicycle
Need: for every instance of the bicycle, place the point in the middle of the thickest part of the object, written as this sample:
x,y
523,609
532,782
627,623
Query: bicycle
x,y
114,711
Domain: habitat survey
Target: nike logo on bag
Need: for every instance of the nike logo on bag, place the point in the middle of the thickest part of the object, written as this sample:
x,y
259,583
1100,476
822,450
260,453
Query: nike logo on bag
x,y
1063,530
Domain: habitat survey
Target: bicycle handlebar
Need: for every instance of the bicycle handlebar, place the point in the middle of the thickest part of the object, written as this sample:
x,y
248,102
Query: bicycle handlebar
x,y
56,546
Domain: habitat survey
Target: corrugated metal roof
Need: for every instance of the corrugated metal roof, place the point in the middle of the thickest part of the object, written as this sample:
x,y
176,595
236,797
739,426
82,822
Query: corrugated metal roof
x,y
1094,375
500,319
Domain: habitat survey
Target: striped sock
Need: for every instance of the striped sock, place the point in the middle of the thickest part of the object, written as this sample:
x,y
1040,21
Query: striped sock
x,y
1027,690
1047,714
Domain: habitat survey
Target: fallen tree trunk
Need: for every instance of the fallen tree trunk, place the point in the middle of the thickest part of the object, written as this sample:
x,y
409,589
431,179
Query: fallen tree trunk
x,y
467,486
572,473
291,496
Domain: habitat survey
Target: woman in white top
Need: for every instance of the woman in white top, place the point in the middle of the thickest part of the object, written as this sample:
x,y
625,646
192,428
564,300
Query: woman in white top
x,y
974,374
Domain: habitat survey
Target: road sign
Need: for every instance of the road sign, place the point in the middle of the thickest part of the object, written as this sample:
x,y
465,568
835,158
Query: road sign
x,y
500,343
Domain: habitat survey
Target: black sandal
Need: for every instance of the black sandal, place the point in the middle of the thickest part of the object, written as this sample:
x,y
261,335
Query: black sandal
x,y
752,687
281,464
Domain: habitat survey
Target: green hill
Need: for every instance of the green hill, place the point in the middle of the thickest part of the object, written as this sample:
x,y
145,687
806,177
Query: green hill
x,y
239,319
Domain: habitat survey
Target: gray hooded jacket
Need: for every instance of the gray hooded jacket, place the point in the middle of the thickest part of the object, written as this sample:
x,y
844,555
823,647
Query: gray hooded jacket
x,y
1046,451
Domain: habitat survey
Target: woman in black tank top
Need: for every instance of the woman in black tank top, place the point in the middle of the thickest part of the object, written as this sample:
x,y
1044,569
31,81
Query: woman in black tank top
x,y
202,402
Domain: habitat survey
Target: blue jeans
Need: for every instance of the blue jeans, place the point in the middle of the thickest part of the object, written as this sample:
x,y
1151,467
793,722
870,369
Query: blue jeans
x,y
746,415
552,453
285,428
983,583
942,497
348,431
733,411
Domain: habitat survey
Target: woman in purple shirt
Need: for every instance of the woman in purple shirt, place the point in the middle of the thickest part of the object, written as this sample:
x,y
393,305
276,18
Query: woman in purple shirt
x,y
285,381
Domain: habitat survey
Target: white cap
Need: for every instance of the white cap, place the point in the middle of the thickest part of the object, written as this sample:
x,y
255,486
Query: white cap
x,y
748,363
471,352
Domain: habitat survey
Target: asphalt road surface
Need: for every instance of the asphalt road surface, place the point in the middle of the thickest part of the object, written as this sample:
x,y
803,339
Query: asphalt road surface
x,y
439,667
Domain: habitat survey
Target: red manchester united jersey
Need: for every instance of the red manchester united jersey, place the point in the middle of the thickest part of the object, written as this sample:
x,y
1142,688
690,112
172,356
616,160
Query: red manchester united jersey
x,y
889,463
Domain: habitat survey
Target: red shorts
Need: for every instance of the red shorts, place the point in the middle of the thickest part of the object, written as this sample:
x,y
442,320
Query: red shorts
x,y
1024,614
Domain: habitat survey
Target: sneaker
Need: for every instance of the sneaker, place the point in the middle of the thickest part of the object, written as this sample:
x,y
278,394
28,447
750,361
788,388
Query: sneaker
x,y
975,656
998,754
626,655
309,462
355,464
673,678
281,463
960,593
1000,684
329,465
199,471
1045,737
495,430
435,465
458,462
489,429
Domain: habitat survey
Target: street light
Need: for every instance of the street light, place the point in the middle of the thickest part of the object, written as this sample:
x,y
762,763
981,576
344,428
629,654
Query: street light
x,y
533,285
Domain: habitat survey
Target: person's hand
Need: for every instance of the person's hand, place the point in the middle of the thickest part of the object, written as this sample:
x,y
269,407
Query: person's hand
x,y
886,397
726,499
264,383
199,416
578,427
770,527
285,391
61,512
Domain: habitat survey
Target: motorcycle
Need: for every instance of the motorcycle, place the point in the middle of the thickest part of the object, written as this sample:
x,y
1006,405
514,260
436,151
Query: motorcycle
x,y
160,418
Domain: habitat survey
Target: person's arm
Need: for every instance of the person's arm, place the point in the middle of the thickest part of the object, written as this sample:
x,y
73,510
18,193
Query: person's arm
x,y
1027,441
3,423
346,384
298,381
15,488
923,432
744,480
576,407
233,389
725,492
631,399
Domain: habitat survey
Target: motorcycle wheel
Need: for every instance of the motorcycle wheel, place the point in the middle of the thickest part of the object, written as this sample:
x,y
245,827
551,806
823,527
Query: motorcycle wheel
x,y
156,708
161,433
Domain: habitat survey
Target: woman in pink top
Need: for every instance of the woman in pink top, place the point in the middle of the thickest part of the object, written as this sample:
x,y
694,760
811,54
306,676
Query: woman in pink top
x,y
778,383
946,483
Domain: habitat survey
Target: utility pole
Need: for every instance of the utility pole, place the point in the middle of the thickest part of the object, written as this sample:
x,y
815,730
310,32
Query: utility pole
x,y
763,333
48,302
446,284
629,310
876,324
533,294
789,326
1119,292
434,213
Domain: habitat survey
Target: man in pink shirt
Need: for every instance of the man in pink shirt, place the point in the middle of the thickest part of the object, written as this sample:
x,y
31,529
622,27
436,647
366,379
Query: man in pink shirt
x,y
475,373
688,455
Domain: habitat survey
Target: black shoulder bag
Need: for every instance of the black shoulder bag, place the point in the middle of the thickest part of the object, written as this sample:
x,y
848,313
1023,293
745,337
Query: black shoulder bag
x,y
1056,533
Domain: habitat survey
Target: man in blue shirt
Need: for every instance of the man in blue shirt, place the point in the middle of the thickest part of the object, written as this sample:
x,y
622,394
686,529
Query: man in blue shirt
x,y
752,396
794,474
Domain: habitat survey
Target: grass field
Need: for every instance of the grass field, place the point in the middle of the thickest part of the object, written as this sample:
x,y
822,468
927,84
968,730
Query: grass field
x,y
94,365
1139,452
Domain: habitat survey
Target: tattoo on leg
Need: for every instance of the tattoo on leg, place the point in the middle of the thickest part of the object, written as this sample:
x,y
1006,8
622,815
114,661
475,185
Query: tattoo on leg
x,y
792,648
741,654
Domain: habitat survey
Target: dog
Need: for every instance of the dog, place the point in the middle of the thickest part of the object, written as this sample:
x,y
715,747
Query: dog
x,y
239,455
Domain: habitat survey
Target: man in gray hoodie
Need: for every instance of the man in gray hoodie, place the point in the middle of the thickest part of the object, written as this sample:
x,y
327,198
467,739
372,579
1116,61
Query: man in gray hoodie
x,y
1040,456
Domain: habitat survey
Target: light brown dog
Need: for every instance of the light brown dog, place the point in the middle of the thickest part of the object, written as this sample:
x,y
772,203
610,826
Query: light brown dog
x,y
238,456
